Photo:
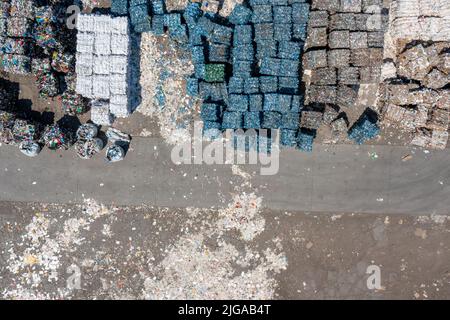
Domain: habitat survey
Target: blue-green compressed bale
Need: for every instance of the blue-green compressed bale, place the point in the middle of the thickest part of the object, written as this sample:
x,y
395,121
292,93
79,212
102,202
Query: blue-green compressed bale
x,y
297,103
243,53
305,140
237,102
211,112
300,13
289,68
279,2
299,31
263,31
212,130
219,53
198,54
134,3
255,102
158,25
214,72
172,19
288,137
364,129
157,6
259,2
288,85
242,35
207,125
284,103
236,85
192,87
206,26
143,26
138,14
199,70
232,120
270,66
266,48
242,69
290,120
240,15
282,32
212,91
252,120
289,50
271,102
192,13
178,33
271,120
268,84
195,36
221,34
262,14
282,14
119,7
251,85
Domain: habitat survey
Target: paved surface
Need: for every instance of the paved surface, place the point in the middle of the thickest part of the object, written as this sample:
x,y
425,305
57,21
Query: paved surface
x,y
331,179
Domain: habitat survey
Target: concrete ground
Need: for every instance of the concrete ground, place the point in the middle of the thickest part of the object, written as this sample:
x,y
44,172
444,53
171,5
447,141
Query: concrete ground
x,y
161,253
360,179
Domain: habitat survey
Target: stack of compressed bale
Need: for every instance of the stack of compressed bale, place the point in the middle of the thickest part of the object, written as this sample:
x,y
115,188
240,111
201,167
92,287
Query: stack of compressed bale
x,y
305,140
279,34
119,7
344,48
139,15
102,62
177,30
100,113
364,129
16,22
191,16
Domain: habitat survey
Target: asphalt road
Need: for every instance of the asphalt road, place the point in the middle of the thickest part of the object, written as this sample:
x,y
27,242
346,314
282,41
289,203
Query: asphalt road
x,y
340,178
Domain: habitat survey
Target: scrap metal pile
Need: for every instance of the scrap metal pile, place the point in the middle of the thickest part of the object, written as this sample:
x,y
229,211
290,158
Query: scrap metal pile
x,y
34,41
344,50
31,135
416,93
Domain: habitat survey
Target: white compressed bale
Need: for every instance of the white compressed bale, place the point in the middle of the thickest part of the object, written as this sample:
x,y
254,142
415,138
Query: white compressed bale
x,y
118,64
120,44
118,84
84,86
102,44
100,113
102,23
83,66
85,42
102,65
100,87
119,25
119,106
85,23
